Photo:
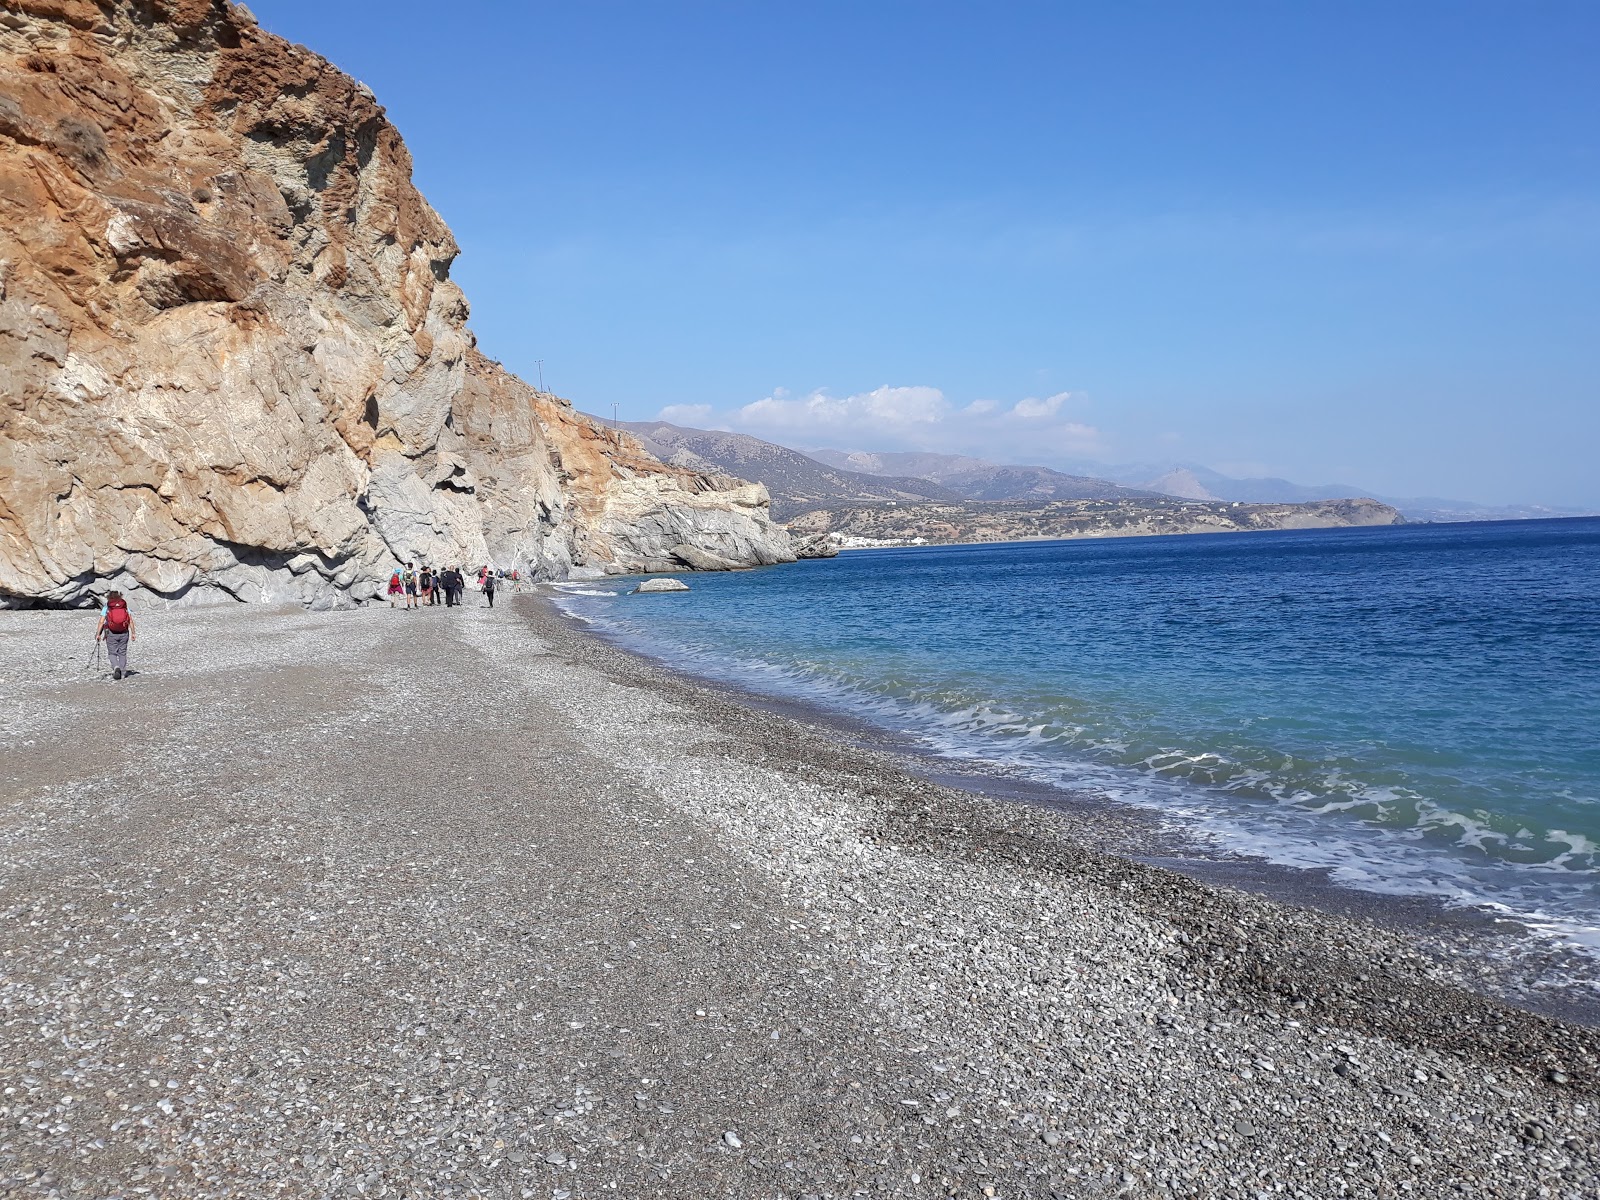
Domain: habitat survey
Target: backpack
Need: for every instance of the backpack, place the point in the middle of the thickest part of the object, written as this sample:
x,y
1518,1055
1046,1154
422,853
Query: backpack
x,y
394,580
117,618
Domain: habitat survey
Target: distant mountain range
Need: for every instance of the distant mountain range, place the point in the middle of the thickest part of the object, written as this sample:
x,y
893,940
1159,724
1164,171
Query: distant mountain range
x,y
977,479
1195,482
798,483
803,482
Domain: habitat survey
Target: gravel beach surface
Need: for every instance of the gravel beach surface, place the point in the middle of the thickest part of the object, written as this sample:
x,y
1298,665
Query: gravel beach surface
x,y
464,903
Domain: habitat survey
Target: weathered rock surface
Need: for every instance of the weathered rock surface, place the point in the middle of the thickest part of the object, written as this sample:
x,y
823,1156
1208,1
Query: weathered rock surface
x,y
232,361
660,585
815,545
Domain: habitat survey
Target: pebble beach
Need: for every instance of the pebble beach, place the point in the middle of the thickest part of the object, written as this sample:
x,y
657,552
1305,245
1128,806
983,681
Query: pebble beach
x,y
469,903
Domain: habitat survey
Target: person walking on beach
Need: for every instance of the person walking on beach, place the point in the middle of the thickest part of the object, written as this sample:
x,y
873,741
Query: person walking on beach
x,y
425,585
396,588
488,586
116,627
409,578
454,584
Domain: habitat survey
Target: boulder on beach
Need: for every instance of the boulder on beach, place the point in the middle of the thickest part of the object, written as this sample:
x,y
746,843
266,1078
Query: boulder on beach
x,y
661,585
703,560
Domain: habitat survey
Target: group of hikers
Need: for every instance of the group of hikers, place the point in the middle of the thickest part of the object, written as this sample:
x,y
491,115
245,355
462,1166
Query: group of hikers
x,y
429,585
445,585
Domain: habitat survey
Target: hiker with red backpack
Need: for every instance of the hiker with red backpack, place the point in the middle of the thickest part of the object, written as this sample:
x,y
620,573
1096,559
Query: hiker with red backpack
x,y
116,627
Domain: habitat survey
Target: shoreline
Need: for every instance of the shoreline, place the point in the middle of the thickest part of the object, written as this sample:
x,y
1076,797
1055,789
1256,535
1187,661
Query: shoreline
x,y
470,903
1490,953
1408,523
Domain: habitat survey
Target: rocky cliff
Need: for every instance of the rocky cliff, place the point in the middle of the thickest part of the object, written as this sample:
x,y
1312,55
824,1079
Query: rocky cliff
x,y
232,361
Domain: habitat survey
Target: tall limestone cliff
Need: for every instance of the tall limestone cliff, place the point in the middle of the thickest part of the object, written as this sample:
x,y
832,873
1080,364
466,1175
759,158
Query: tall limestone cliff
x,y
232,361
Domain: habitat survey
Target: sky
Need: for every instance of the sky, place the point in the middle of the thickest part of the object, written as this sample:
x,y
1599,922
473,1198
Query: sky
x,y
1348,242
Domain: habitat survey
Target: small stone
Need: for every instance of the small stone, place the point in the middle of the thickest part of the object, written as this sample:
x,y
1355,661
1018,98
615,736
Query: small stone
x,y
1560,1077
555,1158
732,1139
1245,1129
1052,1138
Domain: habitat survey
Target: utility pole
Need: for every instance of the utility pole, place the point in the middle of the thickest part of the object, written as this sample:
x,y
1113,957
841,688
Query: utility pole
x,y
614,436
539,362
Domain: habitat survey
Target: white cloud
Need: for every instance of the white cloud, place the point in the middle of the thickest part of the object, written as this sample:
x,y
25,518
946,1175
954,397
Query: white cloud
x,y
692,415
883,409
1033,409
1030,430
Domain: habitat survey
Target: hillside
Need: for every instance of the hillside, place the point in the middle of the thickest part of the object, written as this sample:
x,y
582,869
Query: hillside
x,y
796,482
976,521
978,479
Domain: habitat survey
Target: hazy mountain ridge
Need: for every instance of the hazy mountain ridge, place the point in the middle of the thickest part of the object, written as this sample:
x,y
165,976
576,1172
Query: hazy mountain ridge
x,y
1189,481
979,479
796,482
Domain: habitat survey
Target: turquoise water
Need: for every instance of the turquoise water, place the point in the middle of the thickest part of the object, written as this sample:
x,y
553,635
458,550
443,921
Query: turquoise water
x,y
1414,708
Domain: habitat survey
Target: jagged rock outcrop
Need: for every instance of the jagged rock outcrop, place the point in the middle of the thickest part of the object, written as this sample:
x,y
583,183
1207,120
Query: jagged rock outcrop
x,y
815,545
232,361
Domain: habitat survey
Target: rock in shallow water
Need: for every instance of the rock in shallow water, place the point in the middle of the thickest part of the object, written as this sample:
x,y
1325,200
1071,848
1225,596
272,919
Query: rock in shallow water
x,y
661,585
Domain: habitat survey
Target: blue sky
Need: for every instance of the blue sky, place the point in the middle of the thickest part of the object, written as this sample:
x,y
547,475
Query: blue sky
x,y
1340,242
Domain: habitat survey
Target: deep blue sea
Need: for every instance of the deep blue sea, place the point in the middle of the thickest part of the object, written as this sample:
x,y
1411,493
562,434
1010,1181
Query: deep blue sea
x,y
1416,708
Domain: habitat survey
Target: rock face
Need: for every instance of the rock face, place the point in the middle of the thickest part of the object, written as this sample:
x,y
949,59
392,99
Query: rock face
x,y
815,545
232,361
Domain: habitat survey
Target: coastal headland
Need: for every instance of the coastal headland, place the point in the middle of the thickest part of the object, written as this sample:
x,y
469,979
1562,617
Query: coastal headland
x,y
943,523
470,903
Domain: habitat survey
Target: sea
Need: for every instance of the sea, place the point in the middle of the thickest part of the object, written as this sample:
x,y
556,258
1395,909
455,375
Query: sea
x,y
1410,710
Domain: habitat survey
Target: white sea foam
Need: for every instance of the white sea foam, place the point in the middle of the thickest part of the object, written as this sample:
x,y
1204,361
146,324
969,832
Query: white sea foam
x,y
1382,838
